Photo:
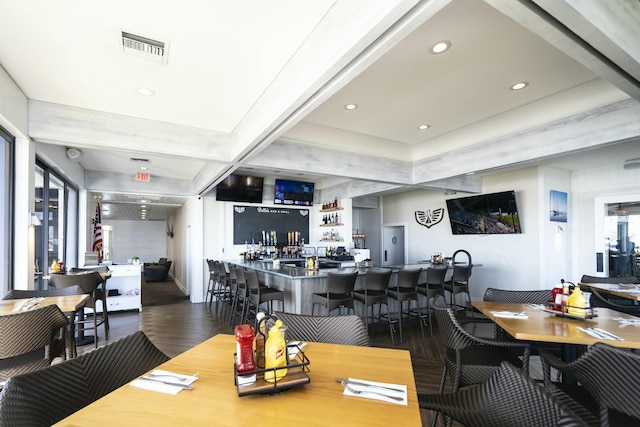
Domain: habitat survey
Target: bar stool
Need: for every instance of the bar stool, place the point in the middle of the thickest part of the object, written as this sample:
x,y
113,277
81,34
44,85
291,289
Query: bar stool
x,y
376,283
339,292
240,294
432,287
405,290
258,293
459,282
211,283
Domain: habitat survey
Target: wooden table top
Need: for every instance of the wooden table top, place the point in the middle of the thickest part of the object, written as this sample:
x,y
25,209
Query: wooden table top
x,y
628,291
67,303
547,327
214,400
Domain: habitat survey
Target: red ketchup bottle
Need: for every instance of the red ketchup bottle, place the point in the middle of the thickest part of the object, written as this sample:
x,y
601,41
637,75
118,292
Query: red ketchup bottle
x,y
556,297
245,361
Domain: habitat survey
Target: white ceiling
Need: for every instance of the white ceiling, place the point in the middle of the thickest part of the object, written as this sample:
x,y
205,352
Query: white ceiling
x,y
242,80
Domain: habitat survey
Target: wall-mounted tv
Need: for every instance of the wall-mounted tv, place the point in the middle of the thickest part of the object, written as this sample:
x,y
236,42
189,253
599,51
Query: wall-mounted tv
x,y
240,188
495,213
293,193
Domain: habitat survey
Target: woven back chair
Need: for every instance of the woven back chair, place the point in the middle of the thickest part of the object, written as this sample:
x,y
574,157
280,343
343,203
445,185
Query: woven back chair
x,y
348,330
599,300
43,293
470,359
28,340
44,397
508,398
609,374
538,296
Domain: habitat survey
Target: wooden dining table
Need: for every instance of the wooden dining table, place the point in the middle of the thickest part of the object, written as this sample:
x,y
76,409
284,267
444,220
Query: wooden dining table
x,y
214,399
621,290
542,326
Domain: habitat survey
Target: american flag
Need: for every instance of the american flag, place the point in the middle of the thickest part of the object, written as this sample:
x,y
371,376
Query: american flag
x,y
97,231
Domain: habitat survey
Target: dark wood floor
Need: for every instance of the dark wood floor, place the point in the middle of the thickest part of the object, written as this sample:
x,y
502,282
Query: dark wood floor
x,y
176,325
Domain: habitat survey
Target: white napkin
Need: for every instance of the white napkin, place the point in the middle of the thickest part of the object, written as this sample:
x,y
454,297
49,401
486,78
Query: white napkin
x,y
623,321
509,314
163,387
380,393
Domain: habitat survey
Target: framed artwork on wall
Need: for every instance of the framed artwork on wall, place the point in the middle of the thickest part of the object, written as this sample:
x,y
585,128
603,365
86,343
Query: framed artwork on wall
x,y
558,206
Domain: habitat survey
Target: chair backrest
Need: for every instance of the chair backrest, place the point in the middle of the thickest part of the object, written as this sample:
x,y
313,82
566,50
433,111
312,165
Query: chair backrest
x,y
598,300
220,272
507,398
460,253
88,281
538,296
251,279
348,330
594,279
436,276
408,278
241,279
376,280
610,375
33,293
341,283
26,339
44,397
452,335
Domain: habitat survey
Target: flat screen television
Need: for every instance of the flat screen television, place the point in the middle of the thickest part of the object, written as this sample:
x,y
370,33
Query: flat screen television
x,y
495,213
240,188
293,193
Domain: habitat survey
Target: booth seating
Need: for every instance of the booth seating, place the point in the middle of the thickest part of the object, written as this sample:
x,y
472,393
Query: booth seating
x,y
157,272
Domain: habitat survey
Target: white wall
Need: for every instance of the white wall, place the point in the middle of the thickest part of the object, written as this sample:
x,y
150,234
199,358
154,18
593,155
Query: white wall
x,y
508,261
186,248
145,239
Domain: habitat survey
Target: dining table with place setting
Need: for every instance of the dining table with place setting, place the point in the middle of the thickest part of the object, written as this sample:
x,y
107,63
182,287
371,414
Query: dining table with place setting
x,y
535,322
347,385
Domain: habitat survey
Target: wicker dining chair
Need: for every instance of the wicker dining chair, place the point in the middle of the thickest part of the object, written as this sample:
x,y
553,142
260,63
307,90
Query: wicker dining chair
x,y
29,340
347,329
46,396
508,398
610,377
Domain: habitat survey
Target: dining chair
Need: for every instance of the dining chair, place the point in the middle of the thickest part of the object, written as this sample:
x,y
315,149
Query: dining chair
x,y
240,295
608,374
347,329
508,398
376,283
66,336
222,288
405,289
258,294
31,339
459,282
46,396
339,292
433,285
91,283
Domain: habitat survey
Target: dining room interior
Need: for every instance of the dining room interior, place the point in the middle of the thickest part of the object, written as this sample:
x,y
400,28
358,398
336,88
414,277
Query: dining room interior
x,y
368,136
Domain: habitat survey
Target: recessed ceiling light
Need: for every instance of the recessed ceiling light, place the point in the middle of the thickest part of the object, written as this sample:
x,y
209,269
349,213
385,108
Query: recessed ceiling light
x,y
351,106
144,168
519,86
441,46
144,91
423,127
470,173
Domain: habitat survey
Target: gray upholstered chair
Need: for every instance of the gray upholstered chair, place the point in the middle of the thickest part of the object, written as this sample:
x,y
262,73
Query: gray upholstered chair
x,y
29,340
157,272
258,294
348,329
376,282
44,397
406,289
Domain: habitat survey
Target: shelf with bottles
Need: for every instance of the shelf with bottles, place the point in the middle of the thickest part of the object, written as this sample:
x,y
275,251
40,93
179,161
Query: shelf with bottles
x,y
331,240
331,220
331,209
332,225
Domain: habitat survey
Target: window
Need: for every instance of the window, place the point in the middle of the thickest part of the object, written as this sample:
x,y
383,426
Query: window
x,y
56,239
6,213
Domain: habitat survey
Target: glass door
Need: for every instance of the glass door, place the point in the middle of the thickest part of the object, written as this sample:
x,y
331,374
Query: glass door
x,y
622,237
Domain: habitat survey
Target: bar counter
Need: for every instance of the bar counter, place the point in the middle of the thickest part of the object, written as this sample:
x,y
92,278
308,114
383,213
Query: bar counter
x,y
299,283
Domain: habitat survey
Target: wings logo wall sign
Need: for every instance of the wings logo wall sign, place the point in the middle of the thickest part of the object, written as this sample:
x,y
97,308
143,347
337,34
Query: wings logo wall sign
x,y
429,218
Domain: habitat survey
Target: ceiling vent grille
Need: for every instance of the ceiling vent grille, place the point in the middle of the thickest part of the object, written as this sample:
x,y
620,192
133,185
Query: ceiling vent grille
x,y
143,47
139,160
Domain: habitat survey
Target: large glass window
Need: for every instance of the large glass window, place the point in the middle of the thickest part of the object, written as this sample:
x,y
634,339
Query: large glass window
x,y
6,213
52,239
622,236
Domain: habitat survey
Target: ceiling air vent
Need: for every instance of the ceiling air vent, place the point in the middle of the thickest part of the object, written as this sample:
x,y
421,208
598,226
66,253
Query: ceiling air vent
x,y
139,160
143,47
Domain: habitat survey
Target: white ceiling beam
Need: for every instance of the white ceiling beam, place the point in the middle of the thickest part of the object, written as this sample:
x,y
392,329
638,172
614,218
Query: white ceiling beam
x,y
106,182
82,128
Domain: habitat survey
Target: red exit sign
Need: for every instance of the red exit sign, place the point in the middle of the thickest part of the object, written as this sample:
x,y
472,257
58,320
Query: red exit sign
x,y
143,177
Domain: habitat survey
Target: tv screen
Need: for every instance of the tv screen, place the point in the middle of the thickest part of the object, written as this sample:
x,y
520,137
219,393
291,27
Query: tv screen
x,y
240,188
495,213
293,193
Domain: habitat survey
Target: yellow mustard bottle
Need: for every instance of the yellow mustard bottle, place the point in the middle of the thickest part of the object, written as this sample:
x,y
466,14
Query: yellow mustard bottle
x,y
275,354
576,303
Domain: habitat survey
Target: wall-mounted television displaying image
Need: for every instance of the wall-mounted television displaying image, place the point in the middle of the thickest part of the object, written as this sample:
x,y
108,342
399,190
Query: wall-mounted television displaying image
x,y
293,193
495,213
240,188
